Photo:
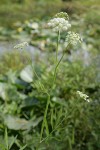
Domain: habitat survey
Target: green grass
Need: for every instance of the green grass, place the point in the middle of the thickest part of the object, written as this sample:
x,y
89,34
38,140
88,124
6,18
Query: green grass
x,y
74,121
17,63
27,10
37,9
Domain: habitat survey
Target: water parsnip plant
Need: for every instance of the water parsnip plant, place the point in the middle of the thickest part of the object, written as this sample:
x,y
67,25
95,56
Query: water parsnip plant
x,y
60,23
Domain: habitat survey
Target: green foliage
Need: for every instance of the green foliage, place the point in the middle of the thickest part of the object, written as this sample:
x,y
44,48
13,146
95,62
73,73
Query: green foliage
x,y
21,10
75,122
14,60
28,9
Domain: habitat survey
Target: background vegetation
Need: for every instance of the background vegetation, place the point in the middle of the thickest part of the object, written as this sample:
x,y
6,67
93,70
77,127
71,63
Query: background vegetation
x,y
21,105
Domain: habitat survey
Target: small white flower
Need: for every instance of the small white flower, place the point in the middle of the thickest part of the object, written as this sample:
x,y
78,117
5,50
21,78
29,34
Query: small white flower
x,y
65,28
59,24
73,38
21,45
84,96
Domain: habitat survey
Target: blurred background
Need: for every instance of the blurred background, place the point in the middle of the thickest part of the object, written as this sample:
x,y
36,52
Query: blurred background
x,y
21,105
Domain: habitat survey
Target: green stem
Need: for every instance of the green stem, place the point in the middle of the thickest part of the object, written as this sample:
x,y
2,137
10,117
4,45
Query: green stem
x,y
65,118
47,105
55,71
45,116
58,40
57,65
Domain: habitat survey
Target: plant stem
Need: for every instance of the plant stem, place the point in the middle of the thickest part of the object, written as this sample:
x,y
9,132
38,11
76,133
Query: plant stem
x,y
65,117
57,62
48,100
55,71
45,115
57,65
58,40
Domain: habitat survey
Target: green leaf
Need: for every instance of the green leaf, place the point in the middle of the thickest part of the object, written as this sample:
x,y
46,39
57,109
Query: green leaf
x,y
13,141
3,91
2,147
29,102
27,74
16,123
23,147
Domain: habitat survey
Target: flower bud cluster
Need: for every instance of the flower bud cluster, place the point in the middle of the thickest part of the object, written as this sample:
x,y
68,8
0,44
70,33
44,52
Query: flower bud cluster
x,y
59,24
73,38
62,15
21,45
84,96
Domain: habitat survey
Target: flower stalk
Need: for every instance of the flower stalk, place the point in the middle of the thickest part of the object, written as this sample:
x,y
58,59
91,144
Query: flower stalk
x,y
58,40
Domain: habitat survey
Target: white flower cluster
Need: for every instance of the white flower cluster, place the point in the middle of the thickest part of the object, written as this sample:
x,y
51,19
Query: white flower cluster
x,y
84,96
59,24
21,45
73,38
